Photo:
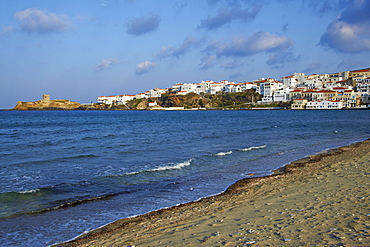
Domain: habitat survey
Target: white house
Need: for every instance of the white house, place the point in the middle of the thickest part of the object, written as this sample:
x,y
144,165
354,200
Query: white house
x,y
325,104
109,100
215,87
204,86
364,85
233,88
267,90
151,104
176,87
312,81
281,95
182,92
122,99
188,87
247,85
140,96
294,81
155,93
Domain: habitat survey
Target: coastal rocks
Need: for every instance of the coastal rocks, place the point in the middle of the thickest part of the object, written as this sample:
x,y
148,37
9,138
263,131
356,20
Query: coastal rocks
x,y
142,105
47,104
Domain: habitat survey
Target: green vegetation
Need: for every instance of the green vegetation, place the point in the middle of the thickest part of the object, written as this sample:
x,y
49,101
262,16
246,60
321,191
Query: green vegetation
x,y
132,104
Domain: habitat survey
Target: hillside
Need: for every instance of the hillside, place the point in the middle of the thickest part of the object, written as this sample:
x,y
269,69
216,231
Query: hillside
x,y
193,100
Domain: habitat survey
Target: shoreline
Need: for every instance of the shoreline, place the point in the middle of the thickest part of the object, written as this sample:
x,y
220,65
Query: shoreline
x,y
204,221
202,109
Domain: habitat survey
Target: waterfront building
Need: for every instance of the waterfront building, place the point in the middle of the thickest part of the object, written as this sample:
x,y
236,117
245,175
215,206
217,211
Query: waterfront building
x,y
325,104
299,104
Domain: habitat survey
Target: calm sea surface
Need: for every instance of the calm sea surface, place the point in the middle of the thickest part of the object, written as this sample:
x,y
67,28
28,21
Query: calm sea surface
x,y
66,172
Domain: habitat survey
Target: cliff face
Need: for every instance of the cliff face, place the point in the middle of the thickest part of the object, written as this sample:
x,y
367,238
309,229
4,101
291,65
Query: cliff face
x,y
190,100
47,104
193,100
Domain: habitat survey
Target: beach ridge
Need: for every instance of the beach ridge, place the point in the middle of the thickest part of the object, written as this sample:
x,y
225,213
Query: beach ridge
x,y
322,199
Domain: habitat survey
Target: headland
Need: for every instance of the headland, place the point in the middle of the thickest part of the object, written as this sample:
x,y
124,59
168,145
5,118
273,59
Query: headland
x,y
47,104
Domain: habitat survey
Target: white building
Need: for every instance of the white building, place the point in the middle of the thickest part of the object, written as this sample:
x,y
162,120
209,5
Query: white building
x,y
189,87
182,93
248,85
267,89
325,104
140,96
215,87
122,99
364,85
294,81
312,81
151,104
109,100
155,93
232,88
281,95
176,87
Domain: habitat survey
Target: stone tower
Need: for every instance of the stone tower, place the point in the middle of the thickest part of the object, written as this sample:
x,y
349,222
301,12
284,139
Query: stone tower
x,y
46,97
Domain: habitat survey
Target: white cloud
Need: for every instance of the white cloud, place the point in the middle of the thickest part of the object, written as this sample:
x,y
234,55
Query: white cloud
x,y
7,29
346,37
351,31
256,43
208,62
34,20
107,63
170,51
145,67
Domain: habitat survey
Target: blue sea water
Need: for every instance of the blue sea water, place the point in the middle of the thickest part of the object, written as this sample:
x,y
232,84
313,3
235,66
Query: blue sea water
x,y
66,172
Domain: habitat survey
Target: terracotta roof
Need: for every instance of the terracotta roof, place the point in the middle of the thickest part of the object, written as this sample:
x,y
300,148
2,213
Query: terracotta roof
x,y
311,91
361,70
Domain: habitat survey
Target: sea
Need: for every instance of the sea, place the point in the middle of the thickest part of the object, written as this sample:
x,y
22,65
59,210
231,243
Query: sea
x,y
63,173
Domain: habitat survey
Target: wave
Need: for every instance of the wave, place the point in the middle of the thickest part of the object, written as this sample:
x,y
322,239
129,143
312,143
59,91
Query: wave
x,y
177,166
243,150
29,191
251,148
224,153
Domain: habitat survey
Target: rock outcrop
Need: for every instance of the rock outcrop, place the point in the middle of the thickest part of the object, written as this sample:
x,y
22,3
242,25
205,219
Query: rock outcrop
x,y
47,104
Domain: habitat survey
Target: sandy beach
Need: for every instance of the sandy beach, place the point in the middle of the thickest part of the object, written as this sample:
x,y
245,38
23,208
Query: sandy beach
x,y
322,200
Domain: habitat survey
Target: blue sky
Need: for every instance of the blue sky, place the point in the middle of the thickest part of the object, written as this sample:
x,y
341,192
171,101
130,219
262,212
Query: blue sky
x,y
82,49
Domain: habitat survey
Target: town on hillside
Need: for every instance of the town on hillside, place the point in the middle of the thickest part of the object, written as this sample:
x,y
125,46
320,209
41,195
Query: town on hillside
x,y
348,89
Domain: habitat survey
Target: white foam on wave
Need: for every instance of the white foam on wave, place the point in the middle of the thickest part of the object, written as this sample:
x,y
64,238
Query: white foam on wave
x,y
251,148
164,168
29,191
173,167
224,153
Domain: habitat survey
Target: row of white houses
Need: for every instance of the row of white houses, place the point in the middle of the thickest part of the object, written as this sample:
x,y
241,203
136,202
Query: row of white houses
x,y
349,87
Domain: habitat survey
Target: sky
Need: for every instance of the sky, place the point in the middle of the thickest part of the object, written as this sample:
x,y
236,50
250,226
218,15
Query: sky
x,y
82,49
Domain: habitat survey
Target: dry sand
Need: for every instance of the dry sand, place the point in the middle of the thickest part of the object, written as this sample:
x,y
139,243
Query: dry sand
x,y
318,201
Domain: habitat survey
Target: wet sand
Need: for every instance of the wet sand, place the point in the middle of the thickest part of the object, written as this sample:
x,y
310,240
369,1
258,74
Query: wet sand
x,y
322,200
